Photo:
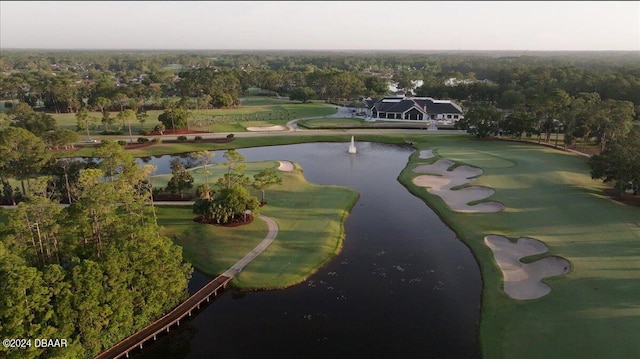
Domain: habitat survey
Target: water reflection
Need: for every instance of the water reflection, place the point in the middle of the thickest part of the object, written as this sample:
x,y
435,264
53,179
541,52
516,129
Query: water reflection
x,y
402,286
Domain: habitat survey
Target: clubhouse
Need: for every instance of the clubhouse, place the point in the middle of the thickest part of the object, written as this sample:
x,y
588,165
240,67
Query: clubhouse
x,y
413,109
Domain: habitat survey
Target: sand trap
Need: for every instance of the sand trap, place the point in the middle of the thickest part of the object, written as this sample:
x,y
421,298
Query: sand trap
x,y
266,128
285,166
524,281
439,181
424,154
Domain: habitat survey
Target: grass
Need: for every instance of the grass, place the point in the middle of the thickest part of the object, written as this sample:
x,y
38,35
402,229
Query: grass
x,y
331,123
267,111
593,312
244,142
343,123
215,171
310,219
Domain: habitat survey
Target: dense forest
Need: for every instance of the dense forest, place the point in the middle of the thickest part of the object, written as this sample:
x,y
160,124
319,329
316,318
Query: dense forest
x,y
65,81
93,272
99,269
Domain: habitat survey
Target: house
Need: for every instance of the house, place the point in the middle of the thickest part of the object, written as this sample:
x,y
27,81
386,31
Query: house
x,y
413,109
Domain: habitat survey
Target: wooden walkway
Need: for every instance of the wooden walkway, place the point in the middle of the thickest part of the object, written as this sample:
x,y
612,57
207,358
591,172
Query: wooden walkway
x,y
210,291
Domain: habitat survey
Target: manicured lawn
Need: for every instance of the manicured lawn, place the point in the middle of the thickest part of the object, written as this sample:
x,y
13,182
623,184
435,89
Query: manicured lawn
x,y
310,220
331,123
215,170
243,142
271,111
594,312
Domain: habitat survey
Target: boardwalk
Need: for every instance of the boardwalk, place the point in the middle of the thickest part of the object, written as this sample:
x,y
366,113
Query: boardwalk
x,y
211,290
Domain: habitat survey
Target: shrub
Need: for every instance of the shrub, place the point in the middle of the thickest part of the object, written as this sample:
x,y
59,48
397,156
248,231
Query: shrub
x,y
182,138
156,140
230,135
143,140
8,104
197,138
122,143
143,132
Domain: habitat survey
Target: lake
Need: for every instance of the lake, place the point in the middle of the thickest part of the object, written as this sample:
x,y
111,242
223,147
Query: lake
x,y
403,285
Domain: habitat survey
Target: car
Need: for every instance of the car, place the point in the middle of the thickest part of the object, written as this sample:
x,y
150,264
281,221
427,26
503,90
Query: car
x,y
91,140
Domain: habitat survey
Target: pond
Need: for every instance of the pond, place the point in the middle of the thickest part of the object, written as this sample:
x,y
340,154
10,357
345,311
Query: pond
x,y
403,285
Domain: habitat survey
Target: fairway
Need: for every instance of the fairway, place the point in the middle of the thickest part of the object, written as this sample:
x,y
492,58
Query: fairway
x,y
264,111
310,219
594,311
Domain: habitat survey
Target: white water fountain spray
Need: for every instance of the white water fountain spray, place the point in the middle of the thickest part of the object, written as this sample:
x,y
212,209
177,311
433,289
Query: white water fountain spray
x,y
352,146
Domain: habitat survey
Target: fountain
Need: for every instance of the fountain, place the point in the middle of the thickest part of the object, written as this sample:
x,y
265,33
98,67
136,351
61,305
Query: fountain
x,y
352,146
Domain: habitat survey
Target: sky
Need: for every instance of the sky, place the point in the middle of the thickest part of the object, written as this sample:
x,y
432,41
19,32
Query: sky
x,y
322,25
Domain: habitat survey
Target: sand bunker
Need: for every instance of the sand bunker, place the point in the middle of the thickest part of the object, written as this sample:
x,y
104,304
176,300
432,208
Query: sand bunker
x,y
424,154
285,166
266,128
524,281
440,181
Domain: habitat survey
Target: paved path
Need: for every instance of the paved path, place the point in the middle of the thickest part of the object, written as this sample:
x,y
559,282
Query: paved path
x,y
271,235
239,266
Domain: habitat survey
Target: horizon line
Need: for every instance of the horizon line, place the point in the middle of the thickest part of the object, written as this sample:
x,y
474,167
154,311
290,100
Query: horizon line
x,y
307,50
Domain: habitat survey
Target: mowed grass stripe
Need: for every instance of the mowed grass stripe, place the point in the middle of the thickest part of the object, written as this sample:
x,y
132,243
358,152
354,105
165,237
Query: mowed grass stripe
x,y
310,220
594,312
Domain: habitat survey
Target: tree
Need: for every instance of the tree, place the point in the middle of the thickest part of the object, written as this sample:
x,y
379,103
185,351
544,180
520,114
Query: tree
x,y
302,94
64,173
181,179
234,158
264,179
35,228
203,158
23,154
84,120
613,120
142,118
619,163
227,205
518,123
511,99
221,99
103,103
376,86
174,118
4,121
481,121
127,116
61,137
38,123
25,308
115,160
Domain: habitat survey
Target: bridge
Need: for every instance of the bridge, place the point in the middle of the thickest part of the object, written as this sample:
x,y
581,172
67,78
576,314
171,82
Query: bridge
x,y
211,291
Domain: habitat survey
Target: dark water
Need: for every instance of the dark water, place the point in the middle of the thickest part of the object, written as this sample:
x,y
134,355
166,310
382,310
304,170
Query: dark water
x,y
403,285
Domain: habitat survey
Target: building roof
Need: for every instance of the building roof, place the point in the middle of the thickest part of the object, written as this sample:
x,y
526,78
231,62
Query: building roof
x,y
402,104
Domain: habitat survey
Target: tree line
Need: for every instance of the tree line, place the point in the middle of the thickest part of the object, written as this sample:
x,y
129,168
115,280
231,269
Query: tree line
x,y
93,272
67,81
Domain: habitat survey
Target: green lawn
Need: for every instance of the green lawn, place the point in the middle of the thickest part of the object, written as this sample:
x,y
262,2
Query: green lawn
x,y
268,111
331,123
238,142
594,312
310,220
214,171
